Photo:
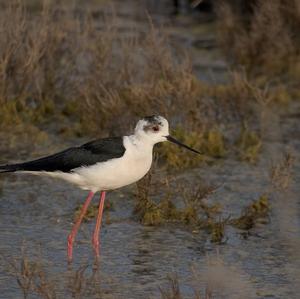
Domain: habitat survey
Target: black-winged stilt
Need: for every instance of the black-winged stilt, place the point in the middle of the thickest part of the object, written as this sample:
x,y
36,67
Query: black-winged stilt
x,y
101,165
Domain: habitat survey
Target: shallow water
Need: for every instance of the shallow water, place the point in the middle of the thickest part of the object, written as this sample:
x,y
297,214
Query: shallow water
x,y
136,260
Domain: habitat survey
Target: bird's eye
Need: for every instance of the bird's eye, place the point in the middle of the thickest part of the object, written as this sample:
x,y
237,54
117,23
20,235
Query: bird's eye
x,y
155,128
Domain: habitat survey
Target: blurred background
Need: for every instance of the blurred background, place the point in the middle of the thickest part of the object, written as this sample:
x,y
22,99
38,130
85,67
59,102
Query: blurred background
x,y
226,74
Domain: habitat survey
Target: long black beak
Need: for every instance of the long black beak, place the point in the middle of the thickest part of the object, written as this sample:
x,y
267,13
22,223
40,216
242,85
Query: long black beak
x,y
171,139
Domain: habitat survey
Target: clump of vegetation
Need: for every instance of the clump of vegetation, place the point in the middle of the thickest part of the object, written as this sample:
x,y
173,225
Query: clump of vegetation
x,y
217,231
256,212
178,158
264,40
35,65
173,290
201,215
196,212
249,145
210,143
149,212
214,144
33,279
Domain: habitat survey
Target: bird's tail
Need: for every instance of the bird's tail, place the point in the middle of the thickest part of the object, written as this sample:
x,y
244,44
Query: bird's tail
x,y
9,168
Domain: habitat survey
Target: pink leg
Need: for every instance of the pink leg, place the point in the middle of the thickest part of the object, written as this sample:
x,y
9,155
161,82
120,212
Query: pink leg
x,y
95,239
75,228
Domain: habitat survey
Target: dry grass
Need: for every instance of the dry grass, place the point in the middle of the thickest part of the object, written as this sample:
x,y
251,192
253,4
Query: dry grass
x,y
58,63
36,62
35,281
54,57
265,41
173,291
31,277
144,76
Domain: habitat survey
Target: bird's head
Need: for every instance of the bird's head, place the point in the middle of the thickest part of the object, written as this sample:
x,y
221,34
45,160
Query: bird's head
x,y
155,129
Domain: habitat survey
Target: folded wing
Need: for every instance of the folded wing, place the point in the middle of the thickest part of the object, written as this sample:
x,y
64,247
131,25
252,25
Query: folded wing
x,y
90,153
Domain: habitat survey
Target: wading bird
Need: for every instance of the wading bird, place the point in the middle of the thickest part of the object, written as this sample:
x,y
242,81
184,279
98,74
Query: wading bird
x,y
102,165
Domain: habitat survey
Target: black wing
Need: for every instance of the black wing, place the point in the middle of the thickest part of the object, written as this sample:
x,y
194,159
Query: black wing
x,y
89,153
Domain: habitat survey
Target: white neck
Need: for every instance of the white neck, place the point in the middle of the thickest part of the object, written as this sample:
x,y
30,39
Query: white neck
x,y
141,142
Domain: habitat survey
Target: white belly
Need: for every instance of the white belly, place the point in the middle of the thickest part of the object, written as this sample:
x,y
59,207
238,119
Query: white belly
x,y
113,174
